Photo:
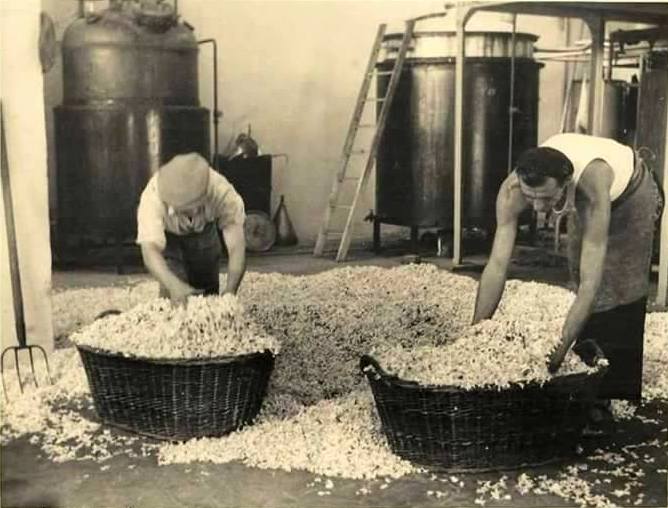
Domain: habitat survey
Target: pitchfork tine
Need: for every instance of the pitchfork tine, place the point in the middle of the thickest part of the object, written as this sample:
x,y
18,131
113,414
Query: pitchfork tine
x,y
17,298
46,361
32,367
2,373
18,368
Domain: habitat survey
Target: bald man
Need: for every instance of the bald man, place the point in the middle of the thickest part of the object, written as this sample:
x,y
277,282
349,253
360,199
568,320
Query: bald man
x,y
179,212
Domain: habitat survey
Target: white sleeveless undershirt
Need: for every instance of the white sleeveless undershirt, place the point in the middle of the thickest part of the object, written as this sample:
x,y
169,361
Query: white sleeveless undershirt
x,y
581,149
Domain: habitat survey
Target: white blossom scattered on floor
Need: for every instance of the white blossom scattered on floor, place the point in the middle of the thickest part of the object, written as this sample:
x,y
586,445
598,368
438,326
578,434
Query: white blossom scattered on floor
x,y
581,483
337,437
318,415
74,308
622,409
60,416
655,357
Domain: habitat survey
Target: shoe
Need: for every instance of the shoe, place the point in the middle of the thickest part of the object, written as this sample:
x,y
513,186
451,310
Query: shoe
x,y
599,419
591,431
601,412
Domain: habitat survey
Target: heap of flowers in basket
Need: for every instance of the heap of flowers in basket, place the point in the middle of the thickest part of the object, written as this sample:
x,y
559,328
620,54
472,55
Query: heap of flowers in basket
x,y
178,372
493,353
485,401
206,327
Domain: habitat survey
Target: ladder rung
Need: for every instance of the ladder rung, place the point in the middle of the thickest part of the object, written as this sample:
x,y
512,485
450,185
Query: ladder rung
x,y
355,124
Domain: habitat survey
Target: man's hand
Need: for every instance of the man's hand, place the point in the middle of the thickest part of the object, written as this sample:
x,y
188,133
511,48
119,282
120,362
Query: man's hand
x,y
557,356
179,293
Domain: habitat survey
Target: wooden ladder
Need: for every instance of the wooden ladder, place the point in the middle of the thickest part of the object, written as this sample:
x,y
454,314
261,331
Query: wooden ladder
x,y
333,203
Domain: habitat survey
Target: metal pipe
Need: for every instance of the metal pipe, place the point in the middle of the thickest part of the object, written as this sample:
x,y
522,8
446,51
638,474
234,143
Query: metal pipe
x,y
608,71
511,107
432,15
594,117
463,15
641,70
569,72
216,114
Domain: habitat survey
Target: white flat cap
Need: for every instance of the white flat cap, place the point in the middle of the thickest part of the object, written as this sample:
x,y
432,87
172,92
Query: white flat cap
x,y
183,180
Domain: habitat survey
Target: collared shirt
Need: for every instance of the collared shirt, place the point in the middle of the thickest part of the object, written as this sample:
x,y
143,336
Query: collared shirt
x,y
222,204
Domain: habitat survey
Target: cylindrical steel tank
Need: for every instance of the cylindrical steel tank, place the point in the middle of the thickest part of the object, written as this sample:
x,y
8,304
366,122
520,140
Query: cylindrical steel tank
x,y
415,165
619,110
130,102
652,104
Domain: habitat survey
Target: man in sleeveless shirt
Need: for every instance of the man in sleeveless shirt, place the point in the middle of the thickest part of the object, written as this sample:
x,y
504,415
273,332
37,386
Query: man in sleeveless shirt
x,y
180,211
612,201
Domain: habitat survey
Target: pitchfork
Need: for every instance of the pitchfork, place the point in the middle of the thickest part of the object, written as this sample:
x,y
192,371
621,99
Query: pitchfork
x,y
17,297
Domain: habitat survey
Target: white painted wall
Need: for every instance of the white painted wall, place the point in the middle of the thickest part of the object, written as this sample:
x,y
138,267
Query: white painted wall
x,y
293,69
22,94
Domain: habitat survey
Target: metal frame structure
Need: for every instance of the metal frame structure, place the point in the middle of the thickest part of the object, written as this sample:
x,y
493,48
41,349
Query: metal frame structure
x,y
595,15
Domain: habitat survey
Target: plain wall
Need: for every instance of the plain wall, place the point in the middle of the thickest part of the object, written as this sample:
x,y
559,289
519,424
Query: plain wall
x,y
292,70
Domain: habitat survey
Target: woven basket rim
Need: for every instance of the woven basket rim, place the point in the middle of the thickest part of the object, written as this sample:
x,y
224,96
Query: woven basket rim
x,y
577,378
177,361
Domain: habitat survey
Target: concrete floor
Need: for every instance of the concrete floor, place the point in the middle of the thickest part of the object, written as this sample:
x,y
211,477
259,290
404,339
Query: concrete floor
x,y
28,479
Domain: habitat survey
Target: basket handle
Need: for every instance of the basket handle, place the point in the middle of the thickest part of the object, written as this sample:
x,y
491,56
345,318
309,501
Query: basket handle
x,y
368,361
108,312
589,351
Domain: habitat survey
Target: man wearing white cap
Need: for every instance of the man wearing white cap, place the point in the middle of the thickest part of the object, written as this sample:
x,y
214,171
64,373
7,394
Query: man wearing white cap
x,y
179,212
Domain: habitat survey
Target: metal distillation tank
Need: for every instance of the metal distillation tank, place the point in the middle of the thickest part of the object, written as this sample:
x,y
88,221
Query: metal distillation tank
x,y
415,164
130,102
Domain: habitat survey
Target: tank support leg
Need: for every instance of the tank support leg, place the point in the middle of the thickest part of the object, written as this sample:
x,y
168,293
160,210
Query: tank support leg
x,y
414,239
376,236
120,268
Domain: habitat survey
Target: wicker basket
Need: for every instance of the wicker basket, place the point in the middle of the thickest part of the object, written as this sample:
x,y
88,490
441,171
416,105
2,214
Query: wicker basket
x,y
451,429
177,399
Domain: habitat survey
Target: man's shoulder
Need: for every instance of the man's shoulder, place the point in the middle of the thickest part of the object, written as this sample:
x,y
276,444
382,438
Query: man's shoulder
x,y
510,201
150,195
597,178
510,185
151,207
218,184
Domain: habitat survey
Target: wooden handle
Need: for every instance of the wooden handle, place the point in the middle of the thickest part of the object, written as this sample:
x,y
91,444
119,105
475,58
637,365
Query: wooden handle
x,y
17,297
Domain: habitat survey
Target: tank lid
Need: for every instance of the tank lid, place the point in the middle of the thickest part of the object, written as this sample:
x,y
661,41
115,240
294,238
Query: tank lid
x,y
113,27
443,44
477,33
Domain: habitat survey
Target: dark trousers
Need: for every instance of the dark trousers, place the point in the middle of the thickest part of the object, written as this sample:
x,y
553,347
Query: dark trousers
x,y
620,333
195,258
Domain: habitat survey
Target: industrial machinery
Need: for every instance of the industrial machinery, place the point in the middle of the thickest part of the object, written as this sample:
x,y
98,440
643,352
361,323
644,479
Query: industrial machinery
x,y
652,104
130,103
652,122
414,172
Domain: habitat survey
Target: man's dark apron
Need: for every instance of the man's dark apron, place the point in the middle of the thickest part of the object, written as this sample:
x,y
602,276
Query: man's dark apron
x,y
618,321
195,258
